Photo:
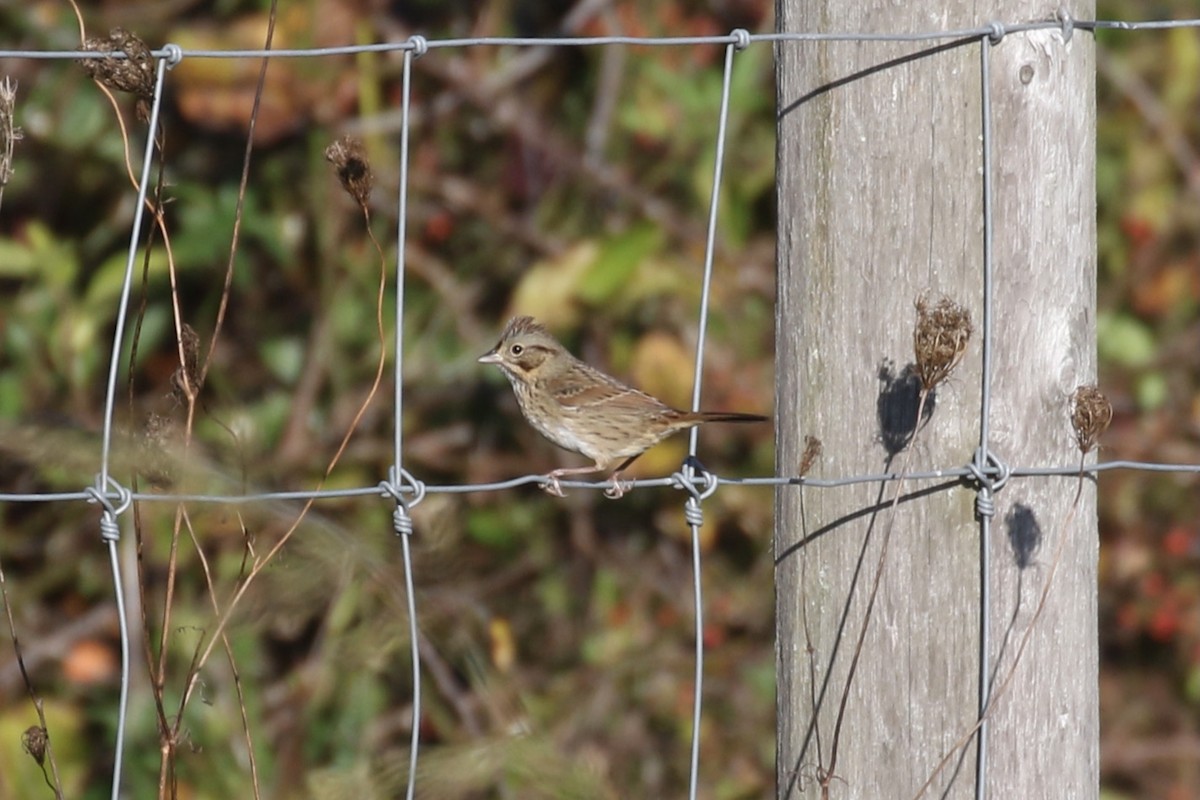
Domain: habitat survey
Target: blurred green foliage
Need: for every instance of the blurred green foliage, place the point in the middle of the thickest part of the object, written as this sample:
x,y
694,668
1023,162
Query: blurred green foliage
x,y
557,635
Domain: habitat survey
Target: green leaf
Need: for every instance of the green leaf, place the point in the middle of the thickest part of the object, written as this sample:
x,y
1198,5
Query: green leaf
x,y
493,527
105,285
1124,340
616,263
284,358
40,255
17,260
1151,391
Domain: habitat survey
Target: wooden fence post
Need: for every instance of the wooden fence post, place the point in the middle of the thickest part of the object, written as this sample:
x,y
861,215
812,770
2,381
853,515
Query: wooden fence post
x,y
880,200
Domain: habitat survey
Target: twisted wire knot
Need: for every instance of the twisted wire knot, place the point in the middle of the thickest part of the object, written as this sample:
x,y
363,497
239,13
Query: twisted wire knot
x,y
984,505
402,521
399,485
173,54
684,479
1068,24
419,45
990,474
110,530
997,32
97,494
985,465
741,38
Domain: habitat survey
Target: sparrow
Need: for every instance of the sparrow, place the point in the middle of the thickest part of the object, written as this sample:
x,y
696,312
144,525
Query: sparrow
x,y
582,409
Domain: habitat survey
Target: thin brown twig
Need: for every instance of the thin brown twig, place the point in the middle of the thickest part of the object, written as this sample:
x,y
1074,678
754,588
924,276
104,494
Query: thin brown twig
x,y
56,784
233,667
147,651
157,674
940,336
612,70
336,458
827,774
155,206
192,384
239,208
812,451
996,695
1091,413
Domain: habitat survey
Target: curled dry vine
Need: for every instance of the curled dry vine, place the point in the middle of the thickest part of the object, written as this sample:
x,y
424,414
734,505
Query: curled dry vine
x,y
940,339
1090,412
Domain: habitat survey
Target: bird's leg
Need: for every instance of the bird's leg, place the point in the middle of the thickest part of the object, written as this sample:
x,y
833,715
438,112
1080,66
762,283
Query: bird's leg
x,y
554,488
619,488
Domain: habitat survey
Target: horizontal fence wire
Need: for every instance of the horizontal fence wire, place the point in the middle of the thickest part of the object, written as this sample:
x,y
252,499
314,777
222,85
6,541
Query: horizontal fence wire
x,y
697,482
677,481
739,37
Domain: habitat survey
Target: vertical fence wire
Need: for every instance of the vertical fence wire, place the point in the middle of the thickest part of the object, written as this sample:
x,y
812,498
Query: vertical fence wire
x,y
985,102
403,521
110,526
692,505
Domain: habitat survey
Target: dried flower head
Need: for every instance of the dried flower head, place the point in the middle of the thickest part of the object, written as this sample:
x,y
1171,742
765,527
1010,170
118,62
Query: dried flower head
x,y
1090,415
812,452
349,158
133,74
34,741
939,339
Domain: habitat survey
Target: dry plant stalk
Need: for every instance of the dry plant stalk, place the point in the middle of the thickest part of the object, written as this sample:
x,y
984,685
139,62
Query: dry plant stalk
x,y
939,339
354,171
349,159
1090,415
10,134
35,740
1091,412
186,380
133,74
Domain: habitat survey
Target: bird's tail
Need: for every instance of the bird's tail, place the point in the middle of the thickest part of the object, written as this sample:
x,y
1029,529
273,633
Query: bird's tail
x,y
723,416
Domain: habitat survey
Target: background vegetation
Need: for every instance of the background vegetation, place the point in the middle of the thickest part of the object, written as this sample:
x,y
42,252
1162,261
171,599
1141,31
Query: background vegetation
x,y
571,184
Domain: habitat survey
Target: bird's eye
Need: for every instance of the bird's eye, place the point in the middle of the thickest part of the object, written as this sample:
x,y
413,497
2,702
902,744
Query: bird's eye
x,y
516,349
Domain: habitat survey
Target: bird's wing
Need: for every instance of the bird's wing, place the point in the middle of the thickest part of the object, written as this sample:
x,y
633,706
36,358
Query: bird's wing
x,y
585,388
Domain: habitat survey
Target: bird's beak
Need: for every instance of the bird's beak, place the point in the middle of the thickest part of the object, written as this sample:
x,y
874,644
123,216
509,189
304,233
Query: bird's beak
x,y
490,357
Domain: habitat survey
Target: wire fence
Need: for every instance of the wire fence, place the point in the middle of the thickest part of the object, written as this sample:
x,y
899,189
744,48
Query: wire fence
x,y
405,490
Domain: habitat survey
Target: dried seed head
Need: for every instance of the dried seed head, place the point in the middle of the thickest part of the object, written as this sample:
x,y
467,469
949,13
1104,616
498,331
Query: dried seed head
x,y
812,451
349,158
34,741
10,134
1090,414
133,74
939,339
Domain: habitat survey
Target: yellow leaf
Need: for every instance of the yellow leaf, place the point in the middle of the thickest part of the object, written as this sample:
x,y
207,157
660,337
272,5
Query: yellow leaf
x,y
503,644
662,366
548,290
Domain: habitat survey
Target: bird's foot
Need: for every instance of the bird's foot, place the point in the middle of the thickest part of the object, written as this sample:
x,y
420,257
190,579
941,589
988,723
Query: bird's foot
x,y
552,486
618,488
